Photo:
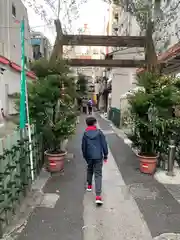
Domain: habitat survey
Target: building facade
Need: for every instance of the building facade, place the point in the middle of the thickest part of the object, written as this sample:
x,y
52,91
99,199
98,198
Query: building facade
x,y
41,46
166,40
121,23
11,14
10,75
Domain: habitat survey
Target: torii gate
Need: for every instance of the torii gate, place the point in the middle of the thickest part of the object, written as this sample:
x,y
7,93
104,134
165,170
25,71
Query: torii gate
x,y
113,41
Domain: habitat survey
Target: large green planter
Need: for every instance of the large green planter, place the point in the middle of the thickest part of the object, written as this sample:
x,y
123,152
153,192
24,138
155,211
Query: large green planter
x,y
114,116
110,114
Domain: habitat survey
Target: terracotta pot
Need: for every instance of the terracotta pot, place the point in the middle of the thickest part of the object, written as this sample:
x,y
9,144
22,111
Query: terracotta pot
x,y
55,162
147,164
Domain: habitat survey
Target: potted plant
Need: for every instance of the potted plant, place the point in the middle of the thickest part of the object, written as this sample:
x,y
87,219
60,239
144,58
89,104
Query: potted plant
x,y
51,107
55,136
151,116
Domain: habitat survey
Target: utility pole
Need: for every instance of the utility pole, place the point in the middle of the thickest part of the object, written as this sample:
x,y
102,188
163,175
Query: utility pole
x,y
24,109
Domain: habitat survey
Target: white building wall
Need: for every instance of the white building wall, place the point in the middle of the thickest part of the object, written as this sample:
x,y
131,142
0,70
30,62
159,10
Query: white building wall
x,y
123,79
9,84
10,39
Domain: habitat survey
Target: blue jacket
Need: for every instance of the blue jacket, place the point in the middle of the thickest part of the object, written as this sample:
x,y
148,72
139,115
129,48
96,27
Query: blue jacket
x,y
94,145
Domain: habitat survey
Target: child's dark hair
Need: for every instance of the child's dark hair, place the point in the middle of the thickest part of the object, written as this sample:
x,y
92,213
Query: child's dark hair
x,y
90,121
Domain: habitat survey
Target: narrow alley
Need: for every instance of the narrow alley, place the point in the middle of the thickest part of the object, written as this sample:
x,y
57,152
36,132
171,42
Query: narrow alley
x,y
135,206
61,61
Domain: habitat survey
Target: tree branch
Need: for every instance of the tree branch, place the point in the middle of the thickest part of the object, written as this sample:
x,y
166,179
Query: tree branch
x,y
57,51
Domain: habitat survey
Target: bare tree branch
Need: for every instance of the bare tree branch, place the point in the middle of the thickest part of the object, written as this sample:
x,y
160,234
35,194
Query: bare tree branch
x,y
70,11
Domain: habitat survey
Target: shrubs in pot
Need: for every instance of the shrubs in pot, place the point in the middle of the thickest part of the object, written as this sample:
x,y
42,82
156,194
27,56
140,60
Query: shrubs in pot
x,y
51,107
153,123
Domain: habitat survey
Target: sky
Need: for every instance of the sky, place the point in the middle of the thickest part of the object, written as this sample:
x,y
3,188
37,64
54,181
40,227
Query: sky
x,y
93,13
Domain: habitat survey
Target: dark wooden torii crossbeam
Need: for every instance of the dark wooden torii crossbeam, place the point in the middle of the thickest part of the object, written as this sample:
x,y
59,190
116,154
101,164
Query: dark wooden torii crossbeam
x,y
106,63
96,40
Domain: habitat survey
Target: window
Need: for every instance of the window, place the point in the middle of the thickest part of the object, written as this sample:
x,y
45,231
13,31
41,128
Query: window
x,y
13,10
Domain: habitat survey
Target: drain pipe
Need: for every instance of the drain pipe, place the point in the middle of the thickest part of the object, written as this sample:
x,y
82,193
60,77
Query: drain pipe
x,y
171,158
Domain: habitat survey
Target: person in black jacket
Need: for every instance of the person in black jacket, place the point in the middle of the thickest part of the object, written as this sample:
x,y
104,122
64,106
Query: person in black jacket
x,y
89,105
95,151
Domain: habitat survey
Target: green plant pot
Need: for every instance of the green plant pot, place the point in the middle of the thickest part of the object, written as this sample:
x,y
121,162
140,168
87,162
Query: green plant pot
x,y
114,116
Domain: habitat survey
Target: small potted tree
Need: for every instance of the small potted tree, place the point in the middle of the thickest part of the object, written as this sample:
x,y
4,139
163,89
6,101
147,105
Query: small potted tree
x,y
51,106
55,134
151,115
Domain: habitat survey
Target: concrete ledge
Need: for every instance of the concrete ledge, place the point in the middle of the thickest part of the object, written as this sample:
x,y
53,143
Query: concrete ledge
x,y
41,180
168,236
162,177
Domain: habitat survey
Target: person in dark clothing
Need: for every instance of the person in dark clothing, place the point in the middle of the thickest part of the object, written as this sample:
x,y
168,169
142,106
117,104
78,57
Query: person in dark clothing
x,y
95,151
84,105
79,104
89,104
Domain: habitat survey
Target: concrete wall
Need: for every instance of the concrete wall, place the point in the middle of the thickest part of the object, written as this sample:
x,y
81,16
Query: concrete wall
x,y
123,79
9,84
121,83
10,40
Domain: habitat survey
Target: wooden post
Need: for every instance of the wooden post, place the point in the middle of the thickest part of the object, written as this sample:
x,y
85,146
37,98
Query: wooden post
x,y
58,46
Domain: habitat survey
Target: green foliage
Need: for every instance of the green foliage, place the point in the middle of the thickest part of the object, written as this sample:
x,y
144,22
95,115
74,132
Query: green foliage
x,y
151,110
51,102
43,68
141,9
